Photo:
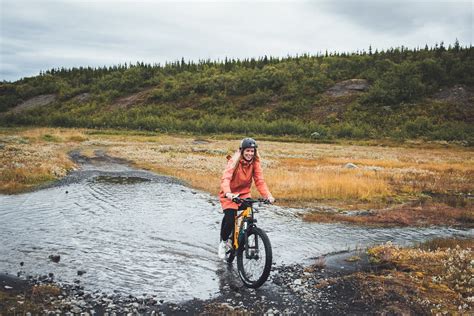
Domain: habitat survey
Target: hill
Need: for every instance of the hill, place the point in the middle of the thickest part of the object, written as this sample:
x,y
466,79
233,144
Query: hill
x,y
399,93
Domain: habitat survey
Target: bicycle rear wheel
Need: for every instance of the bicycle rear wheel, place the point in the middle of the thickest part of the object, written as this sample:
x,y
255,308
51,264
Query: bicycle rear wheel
x,y
254,258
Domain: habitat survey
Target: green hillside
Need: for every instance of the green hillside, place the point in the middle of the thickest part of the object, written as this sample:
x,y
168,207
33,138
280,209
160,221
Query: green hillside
x,y
399,93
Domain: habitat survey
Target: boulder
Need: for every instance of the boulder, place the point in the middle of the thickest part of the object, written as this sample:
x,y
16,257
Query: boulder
x,y
55,258
348,87
350,165
38,101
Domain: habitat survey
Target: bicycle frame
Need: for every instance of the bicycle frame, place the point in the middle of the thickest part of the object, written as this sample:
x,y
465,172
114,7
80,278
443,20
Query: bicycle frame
x,y
246,240
239,222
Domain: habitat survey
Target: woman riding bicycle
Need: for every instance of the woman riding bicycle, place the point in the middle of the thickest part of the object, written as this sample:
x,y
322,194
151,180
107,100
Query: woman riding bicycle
x,y
237,181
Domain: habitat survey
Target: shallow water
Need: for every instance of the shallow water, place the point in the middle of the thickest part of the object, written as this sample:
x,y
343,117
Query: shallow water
x,y
134,232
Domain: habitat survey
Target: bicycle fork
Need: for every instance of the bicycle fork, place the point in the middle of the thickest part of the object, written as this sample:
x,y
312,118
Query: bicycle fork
x,y
251,251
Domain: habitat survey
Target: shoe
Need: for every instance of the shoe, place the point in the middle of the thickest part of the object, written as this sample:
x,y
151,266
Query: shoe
x,y
222,249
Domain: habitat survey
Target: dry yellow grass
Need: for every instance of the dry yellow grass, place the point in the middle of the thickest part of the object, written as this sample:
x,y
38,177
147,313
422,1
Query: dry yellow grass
x,y
442,278
327,184
32,157
296,173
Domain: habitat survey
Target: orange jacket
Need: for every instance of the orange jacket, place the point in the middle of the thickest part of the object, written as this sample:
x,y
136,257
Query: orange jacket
x,y
239,181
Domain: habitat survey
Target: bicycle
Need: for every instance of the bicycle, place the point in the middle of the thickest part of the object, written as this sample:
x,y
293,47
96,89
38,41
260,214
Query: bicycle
x,y
254,260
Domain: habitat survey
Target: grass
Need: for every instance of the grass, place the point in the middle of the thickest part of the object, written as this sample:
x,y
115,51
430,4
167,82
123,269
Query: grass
x,y
401,185
393,179
410,214
440,279
327,184
33,157
31,300
446,243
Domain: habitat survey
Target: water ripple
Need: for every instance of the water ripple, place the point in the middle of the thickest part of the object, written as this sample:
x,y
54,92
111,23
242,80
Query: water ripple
x,y
155,237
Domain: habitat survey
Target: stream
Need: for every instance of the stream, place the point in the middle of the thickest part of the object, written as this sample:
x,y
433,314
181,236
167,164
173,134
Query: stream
x,y
133,232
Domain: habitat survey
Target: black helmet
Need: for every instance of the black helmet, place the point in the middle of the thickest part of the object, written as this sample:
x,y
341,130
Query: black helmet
x,y
248,143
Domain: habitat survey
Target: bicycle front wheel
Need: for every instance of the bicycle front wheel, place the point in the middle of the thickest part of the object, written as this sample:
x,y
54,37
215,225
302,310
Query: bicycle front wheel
x,y
254,258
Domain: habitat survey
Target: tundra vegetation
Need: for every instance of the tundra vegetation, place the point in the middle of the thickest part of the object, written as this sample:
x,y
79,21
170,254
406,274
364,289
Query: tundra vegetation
x,y
367,138
437,275
398,93
414,184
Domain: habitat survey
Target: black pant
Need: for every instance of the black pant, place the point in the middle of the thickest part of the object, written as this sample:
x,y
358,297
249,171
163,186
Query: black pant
x,y
228,223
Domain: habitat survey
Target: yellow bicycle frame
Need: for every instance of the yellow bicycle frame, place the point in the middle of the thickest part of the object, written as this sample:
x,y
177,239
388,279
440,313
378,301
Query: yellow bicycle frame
x,y
245,213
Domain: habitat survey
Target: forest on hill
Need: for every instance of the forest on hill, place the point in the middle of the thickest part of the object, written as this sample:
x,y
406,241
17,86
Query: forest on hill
x,y
397,93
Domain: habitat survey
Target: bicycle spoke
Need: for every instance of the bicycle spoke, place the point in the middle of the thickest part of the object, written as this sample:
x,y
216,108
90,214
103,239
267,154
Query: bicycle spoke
x,y
254,267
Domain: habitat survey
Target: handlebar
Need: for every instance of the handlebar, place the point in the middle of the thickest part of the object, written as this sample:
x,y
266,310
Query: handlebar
x,y
250,201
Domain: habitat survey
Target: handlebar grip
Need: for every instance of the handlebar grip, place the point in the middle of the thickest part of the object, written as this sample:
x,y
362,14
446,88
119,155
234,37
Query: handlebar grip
x,y
237,200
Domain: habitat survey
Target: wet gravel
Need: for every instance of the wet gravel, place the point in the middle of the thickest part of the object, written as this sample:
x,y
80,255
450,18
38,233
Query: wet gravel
x,y
291,289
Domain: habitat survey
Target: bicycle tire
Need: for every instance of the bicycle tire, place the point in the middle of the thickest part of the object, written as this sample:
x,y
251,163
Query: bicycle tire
x,y
255,282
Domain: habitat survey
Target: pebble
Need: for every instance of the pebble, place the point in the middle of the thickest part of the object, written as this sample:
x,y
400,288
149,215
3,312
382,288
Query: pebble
x,y
296,294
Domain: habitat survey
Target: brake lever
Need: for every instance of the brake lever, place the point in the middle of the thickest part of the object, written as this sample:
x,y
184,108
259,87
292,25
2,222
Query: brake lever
x,y
237,200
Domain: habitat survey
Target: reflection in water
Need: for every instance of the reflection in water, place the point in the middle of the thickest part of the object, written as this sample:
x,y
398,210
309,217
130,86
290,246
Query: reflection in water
x,y
119,179
154,236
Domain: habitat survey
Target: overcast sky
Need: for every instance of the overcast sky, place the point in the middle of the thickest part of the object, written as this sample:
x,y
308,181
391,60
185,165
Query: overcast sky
x,y
39,35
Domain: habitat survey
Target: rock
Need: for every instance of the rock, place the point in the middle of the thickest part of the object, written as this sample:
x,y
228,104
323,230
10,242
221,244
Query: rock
x,y
7,287
38,101
55,258
75,310
43,278
348,87
350,165
456,94
81,98
297,282
315,135
80,272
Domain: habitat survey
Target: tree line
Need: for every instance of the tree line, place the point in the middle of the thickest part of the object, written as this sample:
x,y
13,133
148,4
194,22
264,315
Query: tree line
x,y
267,95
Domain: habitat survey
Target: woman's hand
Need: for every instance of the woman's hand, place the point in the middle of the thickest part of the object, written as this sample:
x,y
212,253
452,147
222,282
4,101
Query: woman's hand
x,y
231,196
271,199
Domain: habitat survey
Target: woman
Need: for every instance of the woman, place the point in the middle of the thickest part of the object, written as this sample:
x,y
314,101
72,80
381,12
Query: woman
x,y
237,181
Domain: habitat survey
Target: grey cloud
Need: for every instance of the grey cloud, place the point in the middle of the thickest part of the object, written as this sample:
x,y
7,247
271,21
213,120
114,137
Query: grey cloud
x,y
42,34
399,17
